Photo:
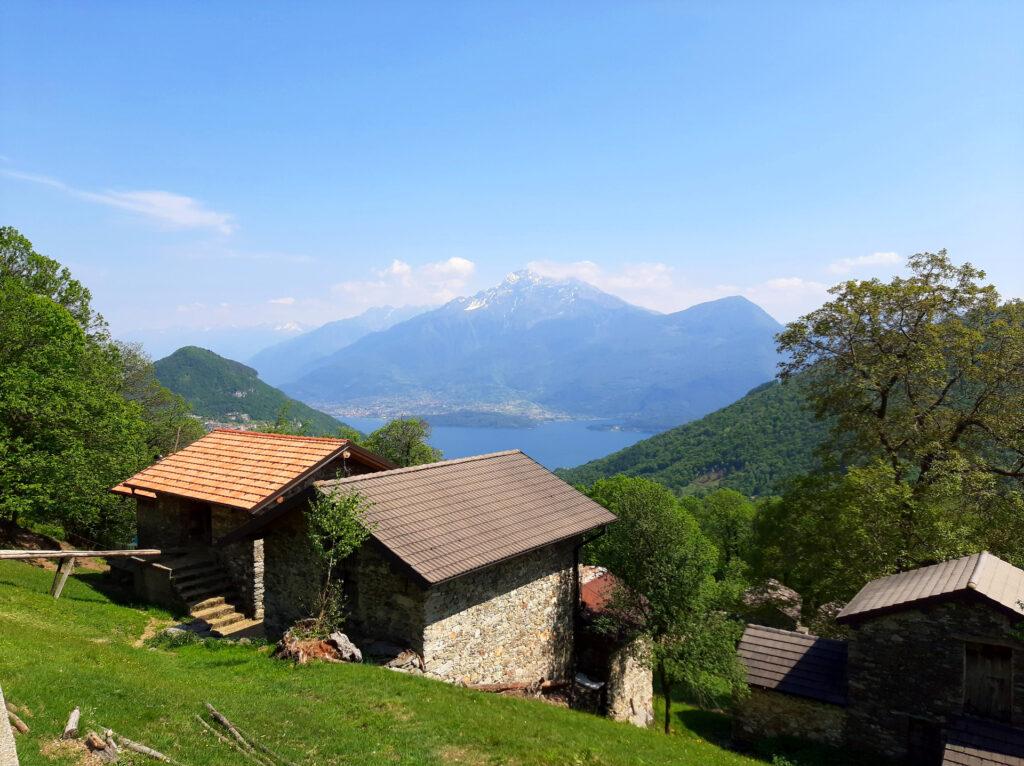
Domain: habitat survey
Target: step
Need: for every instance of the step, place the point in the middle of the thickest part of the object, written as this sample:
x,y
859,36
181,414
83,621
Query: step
x,y
218,580
245,629
225,620
190,566
207,603
211,613
192,595
197,574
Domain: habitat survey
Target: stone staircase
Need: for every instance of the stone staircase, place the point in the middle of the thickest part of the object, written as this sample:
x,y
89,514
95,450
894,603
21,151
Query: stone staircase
x,y
211,598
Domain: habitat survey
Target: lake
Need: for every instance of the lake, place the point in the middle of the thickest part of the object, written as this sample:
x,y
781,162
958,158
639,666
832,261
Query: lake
x,y
553,444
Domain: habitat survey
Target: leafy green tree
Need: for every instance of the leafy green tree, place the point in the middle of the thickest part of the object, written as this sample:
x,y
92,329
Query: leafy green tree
x,y
66,433
921,377
336,526
44,276
170,425
403,442
727,518
669,593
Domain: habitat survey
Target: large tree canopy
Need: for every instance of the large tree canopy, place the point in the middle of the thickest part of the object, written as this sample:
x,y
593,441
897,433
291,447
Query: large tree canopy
x,y
78,412
923,378
666,567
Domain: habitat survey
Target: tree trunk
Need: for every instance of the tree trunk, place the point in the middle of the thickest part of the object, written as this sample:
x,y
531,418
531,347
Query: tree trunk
x,y
666,689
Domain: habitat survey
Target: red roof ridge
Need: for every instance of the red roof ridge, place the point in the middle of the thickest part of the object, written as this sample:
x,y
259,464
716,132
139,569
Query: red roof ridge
x,y
263,434
421,467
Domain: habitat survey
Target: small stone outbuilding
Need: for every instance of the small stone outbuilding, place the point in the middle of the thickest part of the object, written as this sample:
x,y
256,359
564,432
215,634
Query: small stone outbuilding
x,y
933,671
471,564
621,663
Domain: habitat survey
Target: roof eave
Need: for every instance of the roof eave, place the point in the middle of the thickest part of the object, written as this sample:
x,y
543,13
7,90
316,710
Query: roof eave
x,y
965,594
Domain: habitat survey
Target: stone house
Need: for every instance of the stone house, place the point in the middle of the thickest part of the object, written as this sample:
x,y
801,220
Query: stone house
x,y
932,673
472,563
188,501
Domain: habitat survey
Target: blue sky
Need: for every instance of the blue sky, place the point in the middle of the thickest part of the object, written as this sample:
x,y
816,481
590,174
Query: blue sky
x,y
234,164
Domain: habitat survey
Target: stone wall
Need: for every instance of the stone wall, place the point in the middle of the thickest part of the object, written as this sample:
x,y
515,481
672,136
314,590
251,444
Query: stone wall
x,y
384,602
291,575
509,622
906,671
160,522
765,714
630,688
243,560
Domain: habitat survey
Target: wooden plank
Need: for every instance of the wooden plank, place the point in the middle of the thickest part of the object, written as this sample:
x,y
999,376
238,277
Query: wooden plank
x,y
8,753
23,554
60,579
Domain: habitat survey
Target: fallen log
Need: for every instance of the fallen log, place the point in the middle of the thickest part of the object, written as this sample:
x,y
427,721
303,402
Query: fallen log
x,y
71,727
16,722
246,741
230,742
223,721
143,749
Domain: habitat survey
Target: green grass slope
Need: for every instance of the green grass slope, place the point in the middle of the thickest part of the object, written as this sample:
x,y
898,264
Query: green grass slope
x,y
751,445
217,387
83,650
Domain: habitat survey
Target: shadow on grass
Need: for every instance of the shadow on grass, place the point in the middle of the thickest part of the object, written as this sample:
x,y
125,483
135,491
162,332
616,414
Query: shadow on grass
x,y
715,726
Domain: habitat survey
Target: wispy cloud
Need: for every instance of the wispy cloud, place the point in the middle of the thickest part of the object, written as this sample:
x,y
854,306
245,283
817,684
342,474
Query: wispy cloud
x,y
850,265
660,287
282,301
167,208
401,284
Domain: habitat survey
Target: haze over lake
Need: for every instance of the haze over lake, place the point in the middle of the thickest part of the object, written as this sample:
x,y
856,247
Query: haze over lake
x,y
553,444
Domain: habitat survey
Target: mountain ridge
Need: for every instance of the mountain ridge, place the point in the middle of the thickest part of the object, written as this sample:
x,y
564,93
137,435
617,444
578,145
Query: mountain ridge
x,y
552,347
284,361
222,389
752,445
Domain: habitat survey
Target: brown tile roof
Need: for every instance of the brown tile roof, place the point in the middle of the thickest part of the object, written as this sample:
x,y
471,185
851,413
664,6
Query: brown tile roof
x,y
449,518
241,469
984,574
597,593
795,663
974,742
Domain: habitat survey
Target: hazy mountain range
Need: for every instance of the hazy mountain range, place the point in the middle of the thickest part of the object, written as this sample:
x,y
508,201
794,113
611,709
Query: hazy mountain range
x,y
537,346
290,359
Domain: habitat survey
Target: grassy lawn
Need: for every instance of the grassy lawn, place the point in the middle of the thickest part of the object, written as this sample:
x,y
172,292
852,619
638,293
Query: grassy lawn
x,y
84,650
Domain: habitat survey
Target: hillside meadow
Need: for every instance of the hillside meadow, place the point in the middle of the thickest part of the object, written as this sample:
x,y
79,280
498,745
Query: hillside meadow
x,y
85,650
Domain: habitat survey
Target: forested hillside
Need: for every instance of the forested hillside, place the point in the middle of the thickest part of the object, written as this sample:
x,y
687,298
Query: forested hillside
x,y
221,389
750,446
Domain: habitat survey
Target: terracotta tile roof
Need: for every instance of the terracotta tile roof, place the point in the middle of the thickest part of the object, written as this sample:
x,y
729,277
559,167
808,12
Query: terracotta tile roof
x,y
974,742
597,593
795,663
449,518
984,574
241,469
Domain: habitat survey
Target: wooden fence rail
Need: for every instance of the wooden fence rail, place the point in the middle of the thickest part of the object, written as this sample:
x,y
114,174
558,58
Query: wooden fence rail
x,y
67,561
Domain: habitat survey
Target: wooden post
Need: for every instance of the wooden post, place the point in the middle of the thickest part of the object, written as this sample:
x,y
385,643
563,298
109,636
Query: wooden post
x,y
61,577
8,753
71,728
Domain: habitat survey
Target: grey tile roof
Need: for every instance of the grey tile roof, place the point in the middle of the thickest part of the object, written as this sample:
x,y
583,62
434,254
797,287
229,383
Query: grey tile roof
x,y
449,518
794,663
982,573
974,742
